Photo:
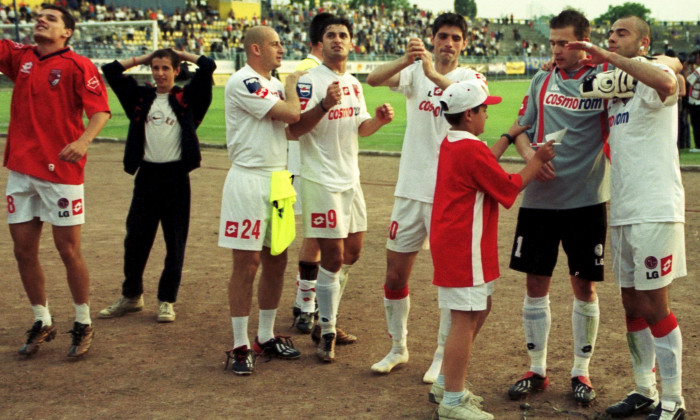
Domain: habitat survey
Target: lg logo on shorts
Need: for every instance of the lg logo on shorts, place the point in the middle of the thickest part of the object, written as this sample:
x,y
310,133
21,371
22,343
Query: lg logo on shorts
x,y
76,207
651,263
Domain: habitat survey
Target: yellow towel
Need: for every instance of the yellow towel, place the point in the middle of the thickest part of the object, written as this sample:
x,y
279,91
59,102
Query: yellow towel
x,y
282,224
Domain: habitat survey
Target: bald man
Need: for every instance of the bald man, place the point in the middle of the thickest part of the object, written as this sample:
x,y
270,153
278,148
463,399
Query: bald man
x,y
258,107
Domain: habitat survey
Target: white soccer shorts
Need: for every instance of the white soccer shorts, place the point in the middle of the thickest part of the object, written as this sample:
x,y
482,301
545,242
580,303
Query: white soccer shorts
x,y
648,256
332,215
245,210
409,228
467,299
29,197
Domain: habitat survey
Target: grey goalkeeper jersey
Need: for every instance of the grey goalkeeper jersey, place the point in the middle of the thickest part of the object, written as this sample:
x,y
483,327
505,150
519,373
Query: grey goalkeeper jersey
x,y
553,103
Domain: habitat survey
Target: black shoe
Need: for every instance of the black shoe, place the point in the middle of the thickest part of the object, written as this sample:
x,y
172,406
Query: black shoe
x,y
281,346
243,362
583,390
668,410
35,336
304,322
633,403
528,383
82,335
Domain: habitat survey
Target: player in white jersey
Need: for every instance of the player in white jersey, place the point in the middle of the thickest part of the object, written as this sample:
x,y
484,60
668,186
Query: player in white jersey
x,y
421,78
257,108
646,218
309,255
334,211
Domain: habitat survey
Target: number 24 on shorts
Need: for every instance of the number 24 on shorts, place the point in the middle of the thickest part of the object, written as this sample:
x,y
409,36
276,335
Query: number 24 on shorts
x,y
246,229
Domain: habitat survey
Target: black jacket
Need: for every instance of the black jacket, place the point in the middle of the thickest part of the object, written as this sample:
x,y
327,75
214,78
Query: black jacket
x,y
190,104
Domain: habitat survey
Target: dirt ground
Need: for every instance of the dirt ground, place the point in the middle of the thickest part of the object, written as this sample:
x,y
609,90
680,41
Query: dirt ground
x,y
138,368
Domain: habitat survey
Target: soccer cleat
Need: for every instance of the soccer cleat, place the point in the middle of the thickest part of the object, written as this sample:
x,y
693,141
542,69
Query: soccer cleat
x,y
341,337
243,362
528,383
668,410
37,335
583,390
82,335
304,322
281,346
634,403
463,411
438,391
122,306
326,348
390,361
166,313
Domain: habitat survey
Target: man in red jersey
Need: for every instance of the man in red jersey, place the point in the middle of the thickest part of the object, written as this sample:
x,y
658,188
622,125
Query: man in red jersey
x,y
45,153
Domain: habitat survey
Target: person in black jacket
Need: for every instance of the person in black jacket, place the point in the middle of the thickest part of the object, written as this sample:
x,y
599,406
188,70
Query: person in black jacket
x,y
162,145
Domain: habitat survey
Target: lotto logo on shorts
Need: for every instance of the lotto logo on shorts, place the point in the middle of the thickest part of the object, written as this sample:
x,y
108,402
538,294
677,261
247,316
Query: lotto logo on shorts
x,y
318,220
77,207
666,265
231,230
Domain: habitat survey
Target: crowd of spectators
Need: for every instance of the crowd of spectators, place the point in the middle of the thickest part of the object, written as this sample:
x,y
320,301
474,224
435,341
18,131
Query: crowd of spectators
x,y
379,33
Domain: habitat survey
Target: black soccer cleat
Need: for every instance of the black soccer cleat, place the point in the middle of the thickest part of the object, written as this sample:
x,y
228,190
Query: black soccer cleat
x,y
527,384
634,403
583,390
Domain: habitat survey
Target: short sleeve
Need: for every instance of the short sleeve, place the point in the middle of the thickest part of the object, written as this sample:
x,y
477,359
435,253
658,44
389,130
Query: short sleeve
x,y
651,97
91,89
308,98
490,177
251,96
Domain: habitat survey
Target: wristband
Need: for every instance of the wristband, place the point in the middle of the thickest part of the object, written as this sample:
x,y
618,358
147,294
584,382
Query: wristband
x,y
134,60
511,140
322,107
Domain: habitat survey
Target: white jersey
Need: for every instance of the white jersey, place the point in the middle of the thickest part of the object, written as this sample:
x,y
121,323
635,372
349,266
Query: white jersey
x,y
645,181
425,129
162,132
329,151
252,139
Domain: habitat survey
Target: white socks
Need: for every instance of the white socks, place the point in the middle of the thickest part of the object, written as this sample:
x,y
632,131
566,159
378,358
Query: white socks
x,y
240,331
306,295
668,344
41,313
433,371
82,313
327,293
584,321
266,325
397,304
537,321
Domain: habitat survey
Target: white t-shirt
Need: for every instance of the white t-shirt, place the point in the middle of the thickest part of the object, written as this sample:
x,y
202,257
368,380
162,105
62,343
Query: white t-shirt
x,y
645,183
162,132
425,129
254,140
329,151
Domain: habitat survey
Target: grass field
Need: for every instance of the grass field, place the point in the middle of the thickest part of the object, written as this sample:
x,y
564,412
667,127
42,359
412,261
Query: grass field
x,y
388,138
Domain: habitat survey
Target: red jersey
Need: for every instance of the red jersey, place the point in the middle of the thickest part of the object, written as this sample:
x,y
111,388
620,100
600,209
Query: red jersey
x,y
464,223
48,101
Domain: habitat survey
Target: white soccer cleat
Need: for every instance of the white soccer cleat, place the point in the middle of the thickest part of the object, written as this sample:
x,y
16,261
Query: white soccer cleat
x,y
390,361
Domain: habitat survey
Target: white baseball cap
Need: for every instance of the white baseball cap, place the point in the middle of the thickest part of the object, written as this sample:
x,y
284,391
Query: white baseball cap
x,y
464,95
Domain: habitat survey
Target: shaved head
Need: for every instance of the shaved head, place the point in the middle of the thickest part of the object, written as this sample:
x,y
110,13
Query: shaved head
x,y
257,35
640,26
